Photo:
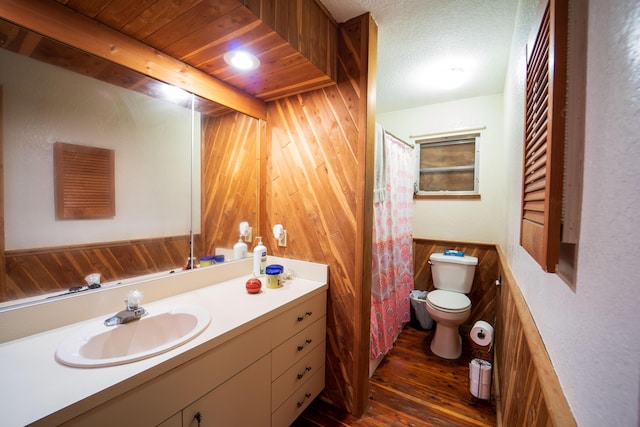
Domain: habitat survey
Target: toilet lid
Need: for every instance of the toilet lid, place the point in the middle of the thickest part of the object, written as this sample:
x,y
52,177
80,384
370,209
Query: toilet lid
x,y
448,300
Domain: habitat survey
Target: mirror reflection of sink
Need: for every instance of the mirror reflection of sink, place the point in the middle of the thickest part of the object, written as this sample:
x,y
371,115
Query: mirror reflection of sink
x,y
157,332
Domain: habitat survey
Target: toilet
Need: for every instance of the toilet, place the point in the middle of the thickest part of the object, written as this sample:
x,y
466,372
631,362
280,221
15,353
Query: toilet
x,y
448,305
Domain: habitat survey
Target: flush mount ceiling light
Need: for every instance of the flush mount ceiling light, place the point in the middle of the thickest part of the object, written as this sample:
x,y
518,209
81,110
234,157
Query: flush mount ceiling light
x,y
452,78
241,60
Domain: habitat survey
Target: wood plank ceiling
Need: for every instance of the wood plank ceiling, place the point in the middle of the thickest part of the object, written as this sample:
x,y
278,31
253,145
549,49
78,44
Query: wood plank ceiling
x,y
200,32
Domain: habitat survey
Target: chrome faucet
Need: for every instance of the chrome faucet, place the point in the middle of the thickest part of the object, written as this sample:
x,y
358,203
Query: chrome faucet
x,y
132,312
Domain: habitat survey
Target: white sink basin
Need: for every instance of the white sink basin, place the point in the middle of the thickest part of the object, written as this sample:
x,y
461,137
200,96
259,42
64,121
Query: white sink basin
x,y
155,333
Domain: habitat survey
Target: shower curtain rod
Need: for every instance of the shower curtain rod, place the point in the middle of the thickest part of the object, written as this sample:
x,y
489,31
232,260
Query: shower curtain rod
x,y
400,139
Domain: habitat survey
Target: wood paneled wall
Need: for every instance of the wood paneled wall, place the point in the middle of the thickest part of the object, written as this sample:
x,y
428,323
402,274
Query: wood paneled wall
x,y
318,185
529,391
230,173
36,271
483,292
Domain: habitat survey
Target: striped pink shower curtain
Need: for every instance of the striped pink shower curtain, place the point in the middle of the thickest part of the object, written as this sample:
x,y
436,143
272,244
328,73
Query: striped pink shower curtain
x,y
392,266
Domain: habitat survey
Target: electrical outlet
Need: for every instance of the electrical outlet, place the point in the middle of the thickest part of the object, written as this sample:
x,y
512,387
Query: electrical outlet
x,y
248,238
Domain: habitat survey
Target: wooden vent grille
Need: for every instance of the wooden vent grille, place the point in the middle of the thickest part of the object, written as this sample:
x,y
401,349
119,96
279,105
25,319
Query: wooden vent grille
x,y
544,140
84,179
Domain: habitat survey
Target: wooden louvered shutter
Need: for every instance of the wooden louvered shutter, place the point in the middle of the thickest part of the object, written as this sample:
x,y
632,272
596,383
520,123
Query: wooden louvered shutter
x,y
540,232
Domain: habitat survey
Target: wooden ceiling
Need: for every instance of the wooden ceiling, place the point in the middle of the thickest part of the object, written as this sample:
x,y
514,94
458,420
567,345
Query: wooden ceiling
x,y
200,32
293,39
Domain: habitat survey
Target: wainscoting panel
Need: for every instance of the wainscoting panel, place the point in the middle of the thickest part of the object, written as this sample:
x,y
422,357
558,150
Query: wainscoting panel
x,y
530,393
36,271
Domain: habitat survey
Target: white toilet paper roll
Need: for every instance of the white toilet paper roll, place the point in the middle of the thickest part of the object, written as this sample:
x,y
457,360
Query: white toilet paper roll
x,y
482,333
481,391
480,378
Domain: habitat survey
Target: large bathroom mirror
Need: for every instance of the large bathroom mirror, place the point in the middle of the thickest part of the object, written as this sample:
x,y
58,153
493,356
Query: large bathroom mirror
x,y
177,191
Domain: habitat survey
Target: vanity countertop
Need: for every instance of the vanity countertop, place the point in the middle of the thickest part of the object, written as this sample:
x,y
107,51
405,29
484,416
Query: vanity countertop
x,y
36,387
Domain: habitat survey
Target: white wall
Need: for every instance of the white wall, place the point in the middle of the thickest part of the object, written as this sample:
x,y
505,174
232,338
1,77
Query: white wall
x,y
43,104
460,220
591,334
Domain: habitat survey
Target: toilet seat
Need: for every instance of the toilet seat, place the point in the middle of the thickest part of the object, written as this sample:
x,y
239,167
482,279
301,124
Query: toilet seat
x,y
448,301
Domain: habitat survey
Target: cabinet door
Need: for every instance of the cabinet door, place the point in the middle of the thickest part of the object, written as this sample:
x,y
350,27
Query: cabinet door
x,y
244,400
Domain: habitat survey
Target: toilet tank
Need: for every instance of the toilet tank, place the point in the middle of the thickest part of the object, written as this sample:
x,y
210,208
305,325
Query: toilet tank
x,y
453,273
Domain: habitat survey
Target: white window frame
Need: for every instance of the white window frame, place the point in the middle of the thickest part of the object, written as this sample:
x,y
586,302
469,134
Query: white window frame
x,y
450,139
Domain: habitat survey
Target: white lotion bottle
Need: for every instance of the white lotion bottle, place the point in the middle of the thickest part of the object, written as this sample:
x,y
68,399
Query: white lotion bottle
x,y
259,258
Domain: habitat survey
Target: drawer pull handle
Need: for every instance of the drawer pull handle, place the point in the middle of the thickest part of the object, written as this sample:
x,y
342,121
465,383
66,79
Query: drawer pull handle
x,y
307,314
306,343
306,396
307,369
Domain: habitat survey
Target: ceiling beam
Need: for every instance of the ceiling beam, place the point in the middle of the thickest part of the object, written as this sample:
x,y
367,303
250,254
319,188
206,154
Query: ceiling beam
x,y
53,20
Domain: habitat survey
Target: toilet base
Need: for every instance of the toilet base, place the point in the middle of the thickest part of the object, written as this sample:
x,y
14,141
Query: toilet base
x,y
446,342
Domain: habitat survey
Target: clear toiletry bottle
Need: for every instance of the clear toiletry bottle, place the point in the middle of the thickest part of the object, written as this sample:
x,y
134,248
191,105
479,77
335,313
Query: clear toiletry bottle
x,y
259,258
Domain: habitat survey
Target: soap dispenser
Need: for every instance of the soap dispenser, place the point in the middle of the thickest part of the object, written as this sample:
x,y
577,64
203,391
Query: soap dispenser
x,y
240,248
259,258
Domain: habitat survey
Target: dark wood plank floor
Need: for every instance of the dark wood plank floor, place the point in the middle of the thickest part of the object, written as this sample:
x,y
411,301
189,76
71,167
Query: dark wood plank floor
x,y
413,387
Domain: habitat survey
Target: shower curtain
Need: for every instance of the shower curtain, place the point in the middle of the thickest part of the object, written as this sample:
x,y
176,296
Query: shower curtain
x,y
392,264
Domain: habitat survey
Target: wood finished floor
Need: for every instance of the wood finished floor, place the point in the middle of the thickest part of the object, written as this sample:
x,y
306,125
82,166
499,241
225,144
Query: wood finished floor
x,y
412,387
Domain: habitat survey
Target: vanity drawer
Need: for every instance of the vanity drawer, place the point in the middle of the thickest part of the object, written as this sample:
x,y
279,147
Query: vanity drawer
x,y
296,347
296,376
297,318
294,405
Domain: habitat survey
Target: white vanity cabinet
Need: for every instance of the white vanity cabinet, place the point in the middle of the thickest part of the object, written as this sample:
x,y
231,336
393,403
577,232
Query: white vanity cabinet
x,y
264,376
226,369
241,401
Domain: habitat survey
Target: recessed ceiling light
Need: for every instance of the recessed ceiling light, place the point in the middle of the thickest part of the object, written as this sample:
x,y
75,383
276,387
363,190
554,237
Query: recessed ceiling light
x,y
241,60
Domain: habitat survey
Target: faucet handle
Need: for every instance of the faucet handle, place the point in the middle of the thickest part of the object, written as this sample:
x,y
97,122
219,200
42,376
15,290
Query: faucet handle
x,y
134,299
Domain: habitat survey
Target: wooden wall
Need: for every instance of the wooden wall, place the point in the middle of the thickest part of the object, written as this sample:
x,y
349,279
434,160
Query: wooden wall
x,y
230,173
528,387
318,185
483,292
